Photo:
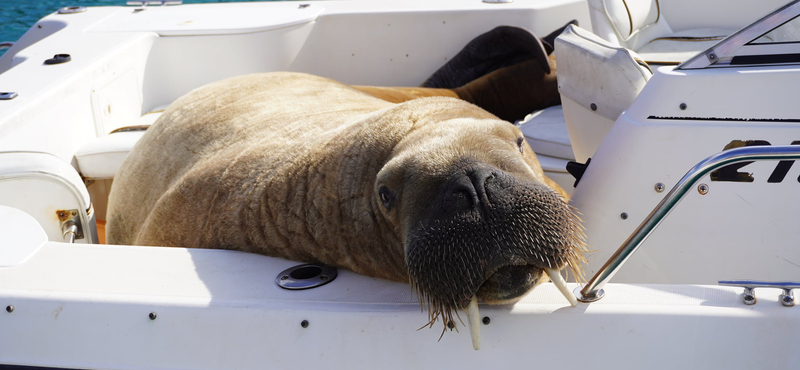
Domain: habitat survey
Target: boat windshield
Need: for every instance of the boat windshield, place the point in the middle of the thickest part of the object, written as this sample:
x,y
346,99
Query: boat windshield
x,y
786,33
772,40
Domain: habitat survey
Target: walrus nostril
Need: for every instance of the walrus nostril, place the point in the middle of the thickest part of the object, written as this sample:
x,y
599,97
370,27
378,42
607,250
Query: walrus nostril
x,y
466,190
479,177
461,200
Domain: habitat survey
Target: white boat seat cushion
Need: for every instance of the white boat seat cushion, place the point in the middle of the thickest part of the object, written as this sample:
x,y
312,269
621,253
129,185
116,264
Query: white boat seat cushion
x,y
102,157
680,46
595,73
546,133
629,16
641,25
41,184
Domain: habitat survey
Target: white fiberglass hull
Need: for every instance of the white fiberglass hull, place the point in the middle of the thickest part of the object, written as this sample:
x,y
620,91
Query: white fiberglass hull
x,y
89,307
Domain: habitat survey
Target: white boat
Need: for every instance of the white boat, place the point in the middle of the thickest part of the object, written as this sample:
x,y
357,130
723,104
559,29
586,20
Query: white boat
x,y
706,134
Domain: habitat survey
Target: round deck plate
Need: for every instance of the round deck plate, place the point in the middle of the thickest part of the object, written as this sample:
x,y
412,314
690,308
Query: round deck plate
x,y
306,276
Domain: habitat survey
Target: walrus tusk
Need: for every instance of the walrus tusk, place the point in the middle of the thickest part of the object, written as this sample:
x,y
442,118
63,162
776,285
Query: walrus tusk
x,y
473,318
555,276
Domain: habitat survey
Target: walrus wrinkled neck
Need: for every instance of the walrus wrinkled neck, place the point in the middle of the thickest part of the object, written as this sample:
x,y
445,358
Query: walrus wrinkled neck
x,y
323,208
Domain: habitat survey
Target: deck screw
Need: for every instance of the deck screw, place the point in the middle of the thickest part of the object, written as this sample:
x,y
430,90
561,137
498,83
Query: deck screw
x,y
660,187
623,216
9,308
486,320
683,106
304,324
702,189
152,315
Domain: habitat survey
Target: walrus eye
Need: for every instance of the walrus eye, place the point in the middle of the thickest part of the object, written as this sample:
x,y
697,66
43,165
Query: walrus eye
x,y
520,140
387,198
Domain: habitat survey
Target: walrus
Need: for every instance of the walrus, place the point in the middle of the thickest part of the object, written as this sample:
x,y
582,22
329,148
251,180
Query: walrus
x,y
506,71
434,191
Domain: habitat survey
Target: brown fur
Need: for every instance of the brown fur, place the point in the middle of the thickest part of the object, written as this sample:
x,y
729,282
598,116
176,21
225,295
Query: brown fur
x,y
509,93
512,92
404,94
287,165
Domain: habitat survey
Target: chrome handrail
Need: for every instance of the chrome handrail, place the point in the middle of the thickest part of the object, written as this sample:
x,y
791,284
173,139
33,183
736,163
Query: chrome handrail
x,y
593,290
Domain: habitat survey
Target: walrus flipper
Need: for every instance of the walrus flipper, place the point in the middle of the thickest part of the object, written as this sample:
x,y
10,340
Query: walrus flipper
x,y
501,47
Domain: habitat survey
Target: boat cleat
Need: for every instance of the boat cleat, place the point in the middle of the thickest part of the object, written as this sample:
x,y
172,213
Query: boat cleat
x,y
749,298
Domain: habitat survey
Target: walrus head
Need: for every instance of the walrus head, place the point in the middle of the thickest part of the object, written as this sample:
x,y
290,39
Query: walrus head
x,y
476,214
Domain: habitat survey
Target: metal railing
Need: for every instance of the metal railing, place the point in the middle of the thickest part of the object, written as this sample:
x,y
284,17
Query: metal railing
x,y
593,290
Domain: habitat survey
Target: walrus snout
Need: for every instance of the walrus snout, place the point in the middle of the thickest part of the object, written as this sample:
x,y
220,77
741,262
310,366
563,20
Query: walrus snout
x,y
491,234
509,283
466,190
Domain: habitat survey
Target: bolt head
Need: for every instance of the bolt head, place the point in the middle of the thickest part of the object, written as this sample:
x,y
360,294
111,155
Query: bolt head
x,y
623,215
660,187
702,189
304,324
486,320
152,315
9,308
682,106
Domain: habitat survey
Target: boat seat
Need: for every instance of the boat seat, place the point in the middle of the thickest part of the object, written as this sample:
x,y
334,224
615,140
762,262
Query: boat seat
x,y
102,157
597,82
642,26
546,133
49,190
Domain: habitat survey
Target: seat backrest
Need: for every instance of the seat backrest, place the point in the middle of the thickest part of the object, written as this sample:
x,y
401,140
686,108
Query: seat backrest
x,y
597,81
629,23
593,71
49,190
630,16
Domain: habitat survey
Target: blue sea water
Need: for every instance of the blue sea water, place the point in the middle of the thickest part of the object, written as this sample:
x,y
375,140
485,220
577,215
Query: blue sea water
x,y
16,16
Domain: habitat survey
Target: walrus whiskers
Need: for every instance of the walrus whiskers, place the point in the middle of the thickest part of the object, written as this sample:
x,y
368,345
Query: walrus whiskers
x,y
568,243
